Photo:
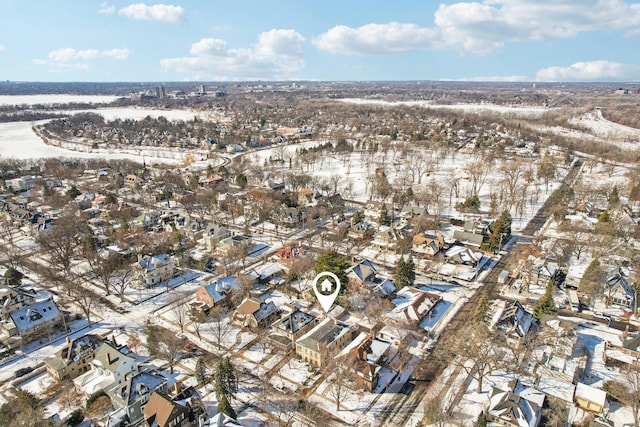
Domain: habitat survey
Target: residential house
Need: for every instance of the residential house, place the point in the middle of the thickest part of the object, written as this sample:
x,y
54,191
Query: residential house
x,y
109,367
361,273
293,325
590,398
130,396
385,240
30,323
254,312
222,420
131,180
154,270
320,343
217,292
515,409
427,245
411,306
226,246
363,357
467,238
514,320
22,183
361,231
618,291
213,234
462,255
411,211
287,216
372,210
287,254
13,299
308,197
162,411
541,274
74,359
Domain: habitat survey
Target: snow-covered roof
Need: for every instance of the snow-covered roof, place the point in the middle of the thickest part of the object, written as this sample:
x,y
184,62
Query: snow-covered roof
x,y
556,387
412,304
514,318
149,264
326,332
463,254
35,314
220,288
363,270
592,394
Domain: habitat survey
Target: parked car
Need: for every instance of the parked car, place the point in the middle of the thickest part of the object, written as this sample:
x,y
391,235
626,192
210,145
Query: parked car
x,y
23,371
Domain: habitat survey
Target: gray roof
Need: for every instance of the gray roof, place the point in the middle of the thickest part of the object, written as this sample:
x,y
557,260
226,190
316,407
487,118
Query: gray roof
x,y
35,314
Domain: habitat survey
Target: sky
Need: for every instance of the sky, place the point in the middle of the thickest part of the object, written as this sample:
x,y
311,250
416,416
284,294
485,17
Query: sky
x,y
328,40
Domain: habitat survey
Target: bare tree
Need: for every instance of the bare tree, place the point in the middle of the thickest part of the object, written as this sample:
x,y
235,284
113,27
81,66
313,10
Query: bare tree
x,y
218,325
478,345
122,280
86,299
9,233
60,242
179,310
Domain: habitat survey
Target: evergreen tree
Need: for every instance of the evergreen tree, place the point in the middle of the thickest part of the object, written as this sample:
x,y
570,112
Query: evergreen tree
x,y
614,197
545,305
405,272
12,277
500,230
481,314
241,180
225,407
201,376
152,339
73,192
357,217
482,420
335,263
226,383
385,219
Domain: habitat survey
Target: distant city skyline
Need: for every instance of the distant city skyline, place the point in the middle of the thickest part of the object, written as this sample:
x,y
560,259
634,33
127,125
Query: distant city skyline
x,y
189,40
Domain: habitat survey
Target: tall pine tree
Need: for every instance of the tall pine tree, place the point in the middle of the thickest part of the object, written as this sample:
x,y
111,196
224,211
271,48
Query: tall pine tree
x,y
201,375
405,272
385,219
226,385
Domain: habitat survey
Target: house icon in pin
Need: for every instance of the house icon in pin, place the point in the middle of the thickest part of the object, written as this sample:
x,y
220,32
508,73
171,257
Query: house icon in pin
x,y
326,286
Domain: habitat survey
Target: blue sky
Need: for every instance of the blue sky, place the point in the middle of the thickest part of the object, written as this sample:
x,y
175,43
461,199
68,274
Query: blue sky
x,y
210,40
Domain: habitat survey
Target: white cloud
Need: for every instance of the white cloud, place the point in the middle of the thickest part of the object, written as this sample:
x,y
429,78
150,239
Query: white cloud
x,y
120,54
105,9
65,59
491,79
1,48
589,71
276,55
68,54
484,27
208,47
376,39
156,12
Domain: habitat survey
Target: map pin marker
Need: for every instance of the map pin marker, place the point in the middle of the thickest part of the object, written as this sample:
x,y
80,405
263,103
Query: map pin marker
x,y
324,292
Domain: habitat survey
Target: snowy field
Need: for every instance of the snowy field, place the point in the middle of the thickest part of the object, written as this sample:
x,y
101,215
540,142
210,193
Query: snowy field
x,y
356,169
470,108
110,114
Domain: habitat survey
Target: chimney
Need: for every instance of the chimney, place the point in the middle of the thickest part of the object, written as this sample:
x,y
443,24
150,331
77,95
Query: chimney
x,y
108,358
176,388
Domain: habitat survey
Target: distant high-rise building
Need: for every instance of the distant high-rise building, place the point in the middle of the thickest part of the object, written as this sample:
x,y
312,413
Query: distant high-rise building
x,y
161,93
201,90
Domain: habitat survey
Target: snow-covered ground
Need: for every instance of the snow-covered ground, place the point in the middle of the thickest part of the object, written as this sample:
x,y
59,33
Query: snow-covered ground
x,y
530,111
